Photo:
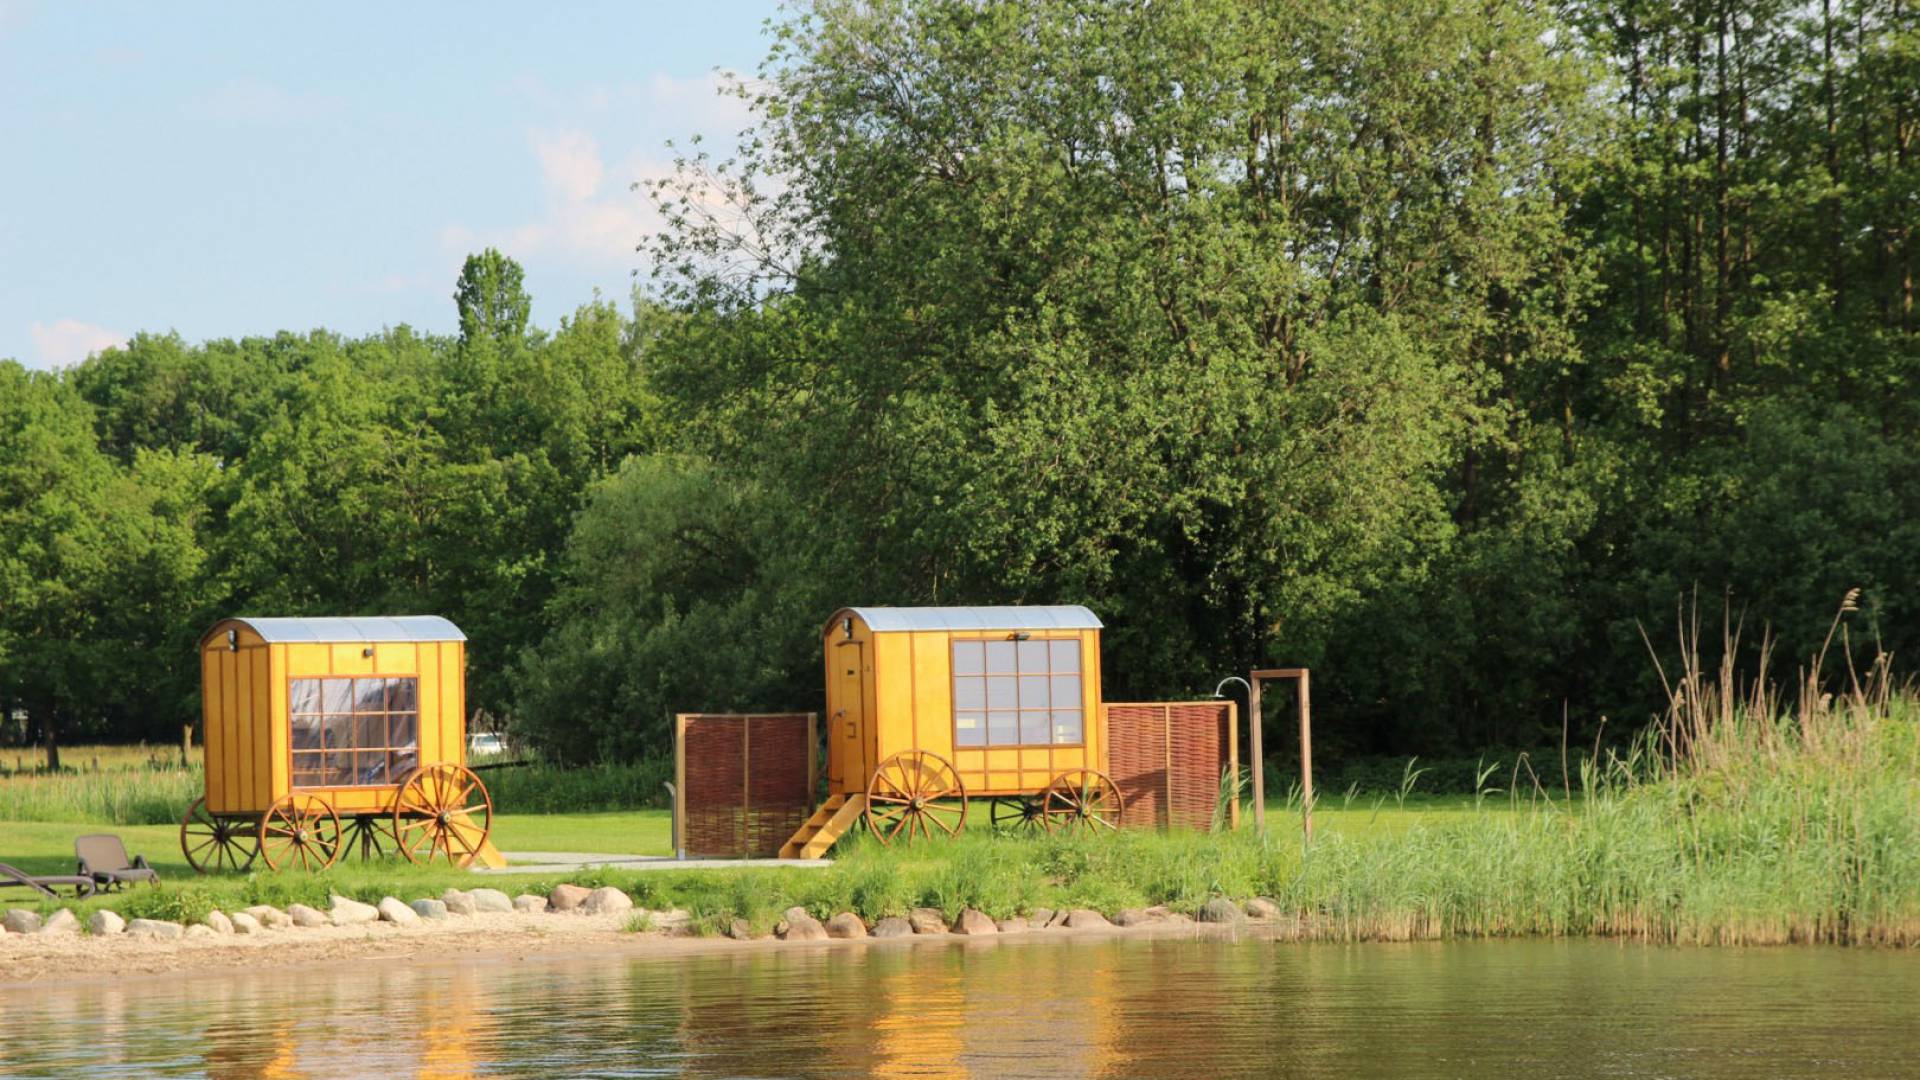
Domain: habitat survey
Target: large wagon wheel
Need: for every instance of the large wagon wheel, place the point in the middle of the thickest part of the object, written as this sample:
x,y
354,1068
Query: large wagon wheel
x,y
1019,814
905,796
373,835
211,842
301,830
442,808
1081,799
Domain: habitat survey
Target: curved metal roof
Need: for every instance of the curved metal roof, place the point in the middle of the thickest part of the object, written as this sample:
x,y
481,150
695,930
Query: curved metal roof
x,y
358,628
882,620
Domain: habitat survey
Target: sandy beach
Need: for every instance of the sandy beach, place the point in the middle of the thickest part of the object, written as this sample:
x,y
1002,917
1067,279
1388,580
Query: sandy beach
x,y
26,959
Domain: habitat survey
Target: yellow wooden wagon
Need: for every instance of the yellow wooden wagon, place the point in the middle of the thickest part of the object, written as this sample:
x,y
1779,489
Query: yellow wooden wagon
x,y
326,734
929,708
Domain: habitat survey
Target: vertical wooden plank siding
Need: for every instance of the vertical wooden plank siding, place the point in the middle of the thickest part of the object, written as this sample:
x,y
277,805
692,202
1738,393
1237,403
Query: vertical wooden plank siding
x,y
460,700
230,748
892,666
429,706
278,745
242,792
1097,755
679,783
933,697
210,726
1233,760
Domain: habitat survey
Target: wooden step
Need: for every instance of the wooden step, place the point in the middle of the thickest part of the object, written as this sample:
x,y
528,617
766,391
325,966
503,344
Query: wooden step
x,y
830,822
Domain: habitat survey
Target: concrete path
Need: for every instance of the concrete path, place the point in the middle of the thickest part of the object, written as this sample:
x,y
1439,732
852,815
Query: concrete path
x,y
567,862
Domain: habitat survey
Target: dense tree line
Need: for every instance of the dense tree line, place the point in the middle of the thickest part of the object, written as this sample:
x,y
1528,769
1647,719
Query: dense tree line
x,y
1438,345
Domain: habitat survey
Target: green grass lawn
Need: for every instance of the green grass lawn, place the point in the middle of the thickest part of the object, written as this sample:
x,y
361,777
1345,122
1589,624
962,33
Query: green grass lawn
x,y
47,847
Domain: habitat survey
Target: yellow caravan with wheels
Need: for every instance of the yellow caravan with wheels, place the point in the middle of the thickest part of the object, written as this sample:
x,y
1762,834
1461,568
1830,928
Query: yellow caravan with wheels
x,y
311,721
931,707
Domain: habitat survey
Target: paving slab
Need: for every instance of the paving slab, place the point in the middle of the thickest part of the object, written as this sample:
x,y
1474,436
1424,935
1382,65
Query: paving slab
x,y
561,862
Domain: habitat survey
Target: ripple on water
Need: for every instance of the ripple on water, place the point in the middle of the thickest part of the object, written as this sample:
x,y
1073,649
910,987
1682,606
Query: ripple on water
x,y
1032,1007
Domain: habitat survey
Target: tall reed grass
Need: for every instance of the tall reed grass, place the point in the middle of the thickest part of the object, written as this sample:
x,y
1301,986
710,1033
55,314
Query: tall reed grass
x,y
107,785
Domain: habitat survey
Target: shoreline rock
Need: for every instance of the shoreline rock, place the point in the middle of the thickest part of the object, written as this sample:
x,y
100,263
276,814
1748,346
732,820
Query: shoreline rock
x,y
270,917
21,921
974,923
490,900
602,901
156,928
797,925
61,922
393,911
846,925
1219,910
303,916
347,912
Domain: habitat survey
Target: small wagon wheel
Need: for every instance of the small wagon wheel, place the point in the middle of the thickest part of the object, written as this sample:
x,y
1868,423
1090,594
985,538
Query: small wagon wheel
x,y
442,808
904,797
300,830
211,842
1081,799
372,835
1019,814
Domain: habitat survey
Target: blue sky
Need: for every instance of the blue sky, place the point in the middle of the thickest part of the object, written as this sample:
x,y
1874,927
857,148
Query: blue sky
x,y
225,170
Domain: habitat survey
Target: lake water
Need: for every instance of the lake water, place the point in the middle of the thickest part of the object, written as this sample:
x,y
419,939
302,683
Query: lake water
x,y
1033,1007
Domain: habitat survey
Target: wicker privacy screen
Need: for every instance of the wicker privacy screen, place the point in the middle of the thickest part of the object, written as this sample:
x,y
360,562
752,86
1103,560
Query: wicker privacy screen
x,y
745,781
1167,758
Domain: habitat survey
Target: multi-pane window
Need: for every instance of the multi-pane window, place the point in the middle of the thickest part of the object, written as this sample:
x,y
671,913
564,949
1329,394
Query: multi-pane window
x,y
354,731
1017,693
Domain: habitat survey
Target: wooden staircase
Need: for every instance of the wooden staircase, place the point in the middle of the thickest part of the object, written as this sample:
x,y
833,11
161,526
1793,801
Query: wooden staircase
x,y
827,825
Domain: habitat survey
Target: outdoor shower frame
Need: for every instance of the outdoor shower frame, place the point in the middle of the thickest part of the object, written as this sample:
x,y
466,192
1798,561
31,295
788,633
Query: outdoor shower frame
x,y
1303,679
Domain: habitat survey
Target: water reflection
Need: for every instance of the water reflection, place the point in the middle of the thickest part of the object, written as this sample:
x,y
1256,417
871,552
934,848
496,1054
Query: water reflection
x,y
1065,1008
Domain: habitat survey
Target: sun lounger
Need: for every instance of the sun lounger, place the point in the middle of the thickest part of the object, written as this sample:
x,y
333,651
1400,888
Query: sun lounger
x,y
103,858
44,884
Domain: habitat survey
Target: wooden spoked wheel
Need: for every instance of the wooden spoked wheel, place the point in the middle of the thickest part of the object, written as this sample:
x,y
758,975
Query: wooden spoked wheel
x,y
442,810
300,831
211,842
1081,799
915,793
371,835
1018,814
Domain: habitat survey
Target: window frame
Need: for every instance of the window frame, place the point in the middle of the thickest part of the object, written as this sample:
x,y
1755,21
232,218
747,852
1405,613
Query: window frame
x,y
353,715
985,710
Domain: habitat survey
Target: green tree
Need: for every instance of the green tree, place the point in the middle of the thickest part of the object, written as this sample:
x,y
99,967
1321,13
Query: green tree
x,y
1189,313
492,299
101,572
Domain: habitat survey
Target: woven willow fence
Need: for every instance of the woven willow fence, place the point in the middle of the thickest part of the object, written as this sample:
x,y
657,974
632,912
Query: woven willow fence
x,y
1167,757
745,781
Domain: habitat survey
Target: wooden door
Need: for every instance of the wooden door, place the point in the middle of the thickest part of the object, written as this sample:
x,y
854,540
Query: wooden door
x,y
847,765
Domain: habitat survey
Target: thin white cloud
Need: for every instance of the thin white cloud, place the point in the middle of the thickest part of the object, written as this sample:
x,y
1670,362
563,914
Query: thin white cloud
x,y
590,216
704,104
70,341
570,162
579,221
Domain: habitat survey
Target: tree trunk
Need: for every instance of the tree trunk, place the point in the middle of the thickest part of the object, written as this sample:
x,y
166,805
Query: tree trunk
x,y
50,738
